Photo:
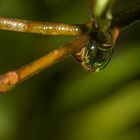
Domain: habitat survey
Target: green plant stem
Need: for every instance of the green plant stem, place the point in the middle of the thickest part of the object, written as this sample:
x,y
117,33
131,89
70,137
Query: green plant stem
x,y
102,13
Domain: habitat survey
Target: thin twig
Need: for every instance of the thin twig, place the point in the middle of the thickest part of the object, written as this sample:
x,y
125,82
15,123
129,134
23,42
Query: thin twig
x,y
10,79
45,28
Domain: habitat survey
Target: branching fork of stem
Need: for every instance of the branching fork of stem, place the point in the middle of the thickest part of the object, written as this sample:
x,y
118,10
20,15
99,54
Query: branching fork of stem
x,y
120,21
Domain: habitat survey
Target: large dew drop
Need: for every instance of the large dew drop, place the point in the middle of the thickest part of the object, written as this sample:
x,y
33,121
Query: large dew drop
x,y
94,57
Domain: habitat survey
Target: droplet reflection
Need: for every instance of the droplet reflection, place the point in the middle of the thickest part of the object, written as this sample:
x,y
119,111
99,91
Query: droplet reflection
x,y
93,57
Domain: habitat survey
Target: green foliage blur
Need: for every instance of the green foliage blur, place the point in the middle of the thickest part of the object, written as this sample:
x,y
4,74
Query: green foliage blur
x,y
65,102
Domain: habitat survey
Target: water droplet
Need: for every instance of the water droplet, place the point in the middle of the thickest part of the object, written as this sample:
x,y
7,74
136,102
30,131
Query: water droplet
x,y
93,57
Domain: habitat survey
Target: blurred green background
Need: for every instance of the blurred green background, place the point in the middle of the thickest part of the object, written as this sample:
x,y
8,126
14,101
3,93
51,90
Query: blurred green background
x,y
65,102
